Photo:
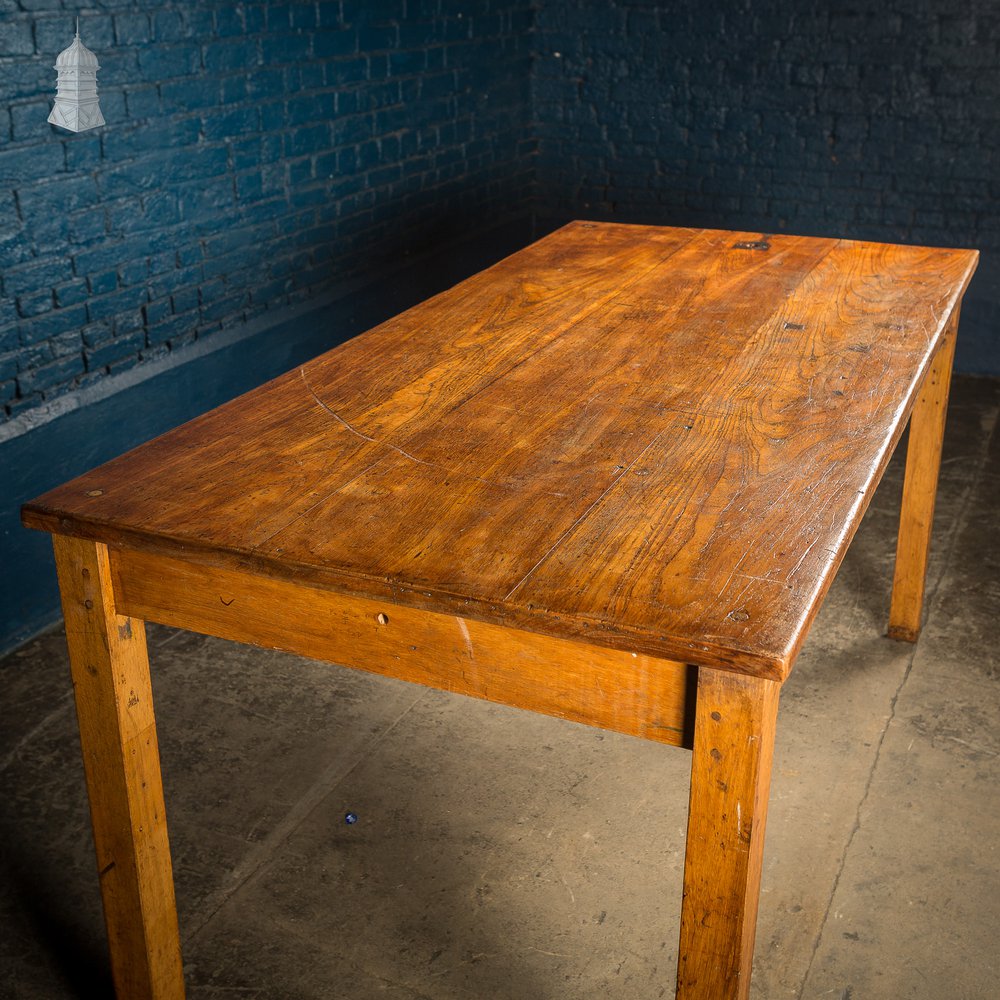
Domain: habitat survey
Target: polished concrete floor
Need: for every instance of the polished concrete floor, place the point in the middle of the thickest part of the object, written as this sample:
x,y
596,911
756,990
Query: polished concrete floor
x,y
507,856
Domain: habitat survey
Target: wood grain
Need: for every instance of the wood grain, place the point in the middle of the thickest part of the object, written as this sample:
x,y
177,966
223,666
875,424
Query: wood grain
x,y
121,758
624,692
730,780
923,460
650,439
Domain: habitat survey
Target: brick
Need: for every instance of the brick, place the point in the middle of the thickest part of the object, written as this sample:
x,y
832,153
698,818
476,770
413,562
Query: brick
x,y
142,103
133,272
8,365
83,151
21,164
234,90
38,275
66,343
100,284
249,187
116,350
266,81
29,120
185,300
16,38
372,37
137,140
226,123
71,293
155,312
224,307
87,227
168,26
230,20
171,328
129,322
49,375
50,324
203,202
345,71
278,49
132,29
310,108
229,56
189,94
307,140
195,163
116,304
95,334
333,44
160,62
34,303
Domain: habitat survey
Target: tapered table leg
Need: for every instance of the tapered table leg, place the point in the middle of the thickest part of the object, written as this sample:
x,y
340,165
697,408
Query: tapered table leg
x,y
121,758
730,779
923,460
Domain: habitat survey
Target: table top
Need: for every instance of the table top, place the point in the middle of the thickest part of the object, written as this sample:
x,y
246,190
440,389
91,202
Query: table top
x,y
655,439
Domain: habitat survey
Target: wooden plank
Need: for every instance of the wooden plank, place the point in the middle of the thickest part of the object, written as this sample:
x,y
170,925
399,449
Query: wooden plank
x,y
624,692
121,758
730,780
923,461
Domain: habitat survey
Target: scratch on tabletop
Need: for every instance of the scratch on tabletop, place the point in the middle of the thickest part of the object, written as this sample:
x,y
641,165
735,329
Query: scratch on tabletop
x,y
413,458
795,568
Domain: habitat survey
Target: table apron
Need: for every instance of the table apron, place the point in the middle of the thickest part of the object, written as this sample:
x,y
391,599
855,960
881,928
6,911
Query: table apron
x,y
625,692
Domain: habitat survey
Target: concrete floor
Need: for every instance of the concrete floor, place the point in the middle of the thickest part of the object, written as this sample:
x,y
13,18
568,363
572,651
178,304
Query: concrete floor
x,y
508,856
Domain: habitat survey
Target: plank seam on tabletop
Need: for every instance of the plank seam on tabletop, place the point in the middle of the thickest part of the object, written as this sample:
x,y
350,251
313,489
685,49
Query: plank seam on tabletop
x,y
948,547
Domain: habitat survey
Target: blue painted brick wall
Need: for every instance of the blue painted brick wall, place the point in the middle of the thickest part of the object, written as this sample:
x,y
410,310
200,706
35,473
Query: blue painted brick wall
x,y
878,119
254,154
257,153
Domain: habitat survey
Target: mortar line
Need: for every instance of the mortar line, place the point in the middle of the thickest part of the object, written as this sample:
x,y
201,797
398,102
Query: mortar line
x,y
950,540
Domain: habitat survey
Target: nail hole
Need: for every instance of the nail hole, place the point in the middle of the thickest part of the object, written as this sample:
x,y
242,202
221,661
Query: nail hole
x,y
95,493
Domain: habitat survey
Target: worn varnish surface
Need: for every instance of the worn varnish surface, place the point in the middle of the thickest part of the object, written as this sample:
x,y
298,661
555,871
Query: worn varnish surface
x,y
649,438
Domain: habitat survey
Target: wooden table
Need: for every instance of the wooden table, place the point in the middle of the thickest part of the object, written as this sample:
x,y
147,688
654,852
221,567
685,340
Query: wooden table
x,y
609,479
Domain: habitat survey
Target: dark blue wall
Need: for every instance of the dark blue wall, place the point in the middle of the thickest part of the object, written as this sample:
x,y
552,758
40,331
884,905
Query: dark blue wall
x,y
878,119
254,154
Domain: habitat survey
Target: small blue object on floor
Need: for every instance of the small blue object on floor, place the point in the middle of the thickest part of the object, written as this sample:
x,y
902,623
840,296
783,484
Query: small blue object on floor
x,y
351,818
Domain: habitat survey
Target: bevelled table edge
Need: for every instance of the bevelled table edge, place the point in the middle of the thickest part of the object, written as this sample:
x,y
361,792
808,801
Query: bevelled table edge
x,y
774,665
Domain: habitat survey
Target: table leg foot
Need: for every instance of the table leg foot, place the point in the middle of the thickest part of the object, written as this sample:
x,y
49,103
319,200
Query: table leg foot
x,y
730,779
923,460
121,758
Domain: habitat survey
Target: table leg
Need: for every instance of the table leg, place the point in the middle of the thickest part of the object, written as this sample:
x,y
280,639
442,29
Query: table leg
x,y
121,758
730,777
923,459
